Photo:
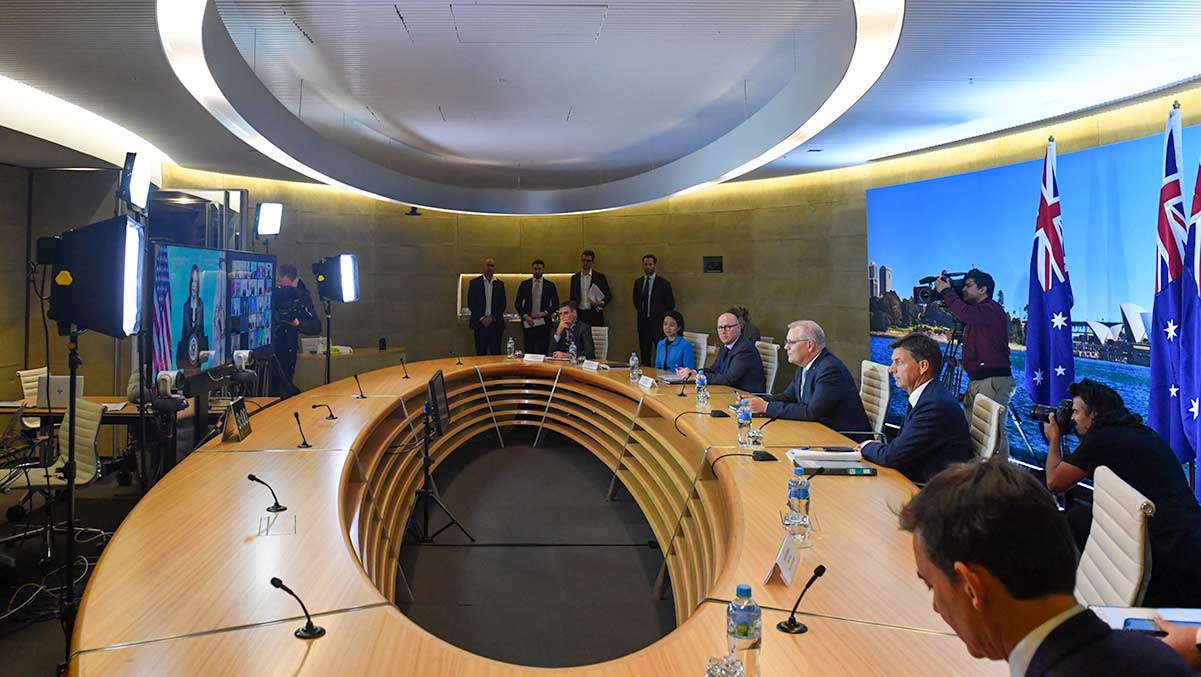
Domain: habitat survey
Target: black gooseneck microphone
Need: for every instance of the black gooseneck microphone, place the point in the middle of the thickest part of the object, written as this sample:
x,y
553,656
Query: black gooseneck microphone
x,y
404,366
276,507
792,626
309,631
304,444
682,387
458,360
331,416
769,422
360,396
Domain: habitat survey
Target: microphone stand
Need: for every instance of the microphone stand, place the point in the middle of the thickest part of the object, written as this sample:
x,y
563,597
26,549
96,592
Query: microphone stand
x,y
331,416
309,631
304,444
360,396
792,626
404,366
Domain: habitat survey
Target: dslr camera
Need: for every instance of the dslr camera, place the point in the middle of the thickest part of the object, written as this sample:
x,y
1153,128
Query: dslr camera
x,y
924,292
1062,413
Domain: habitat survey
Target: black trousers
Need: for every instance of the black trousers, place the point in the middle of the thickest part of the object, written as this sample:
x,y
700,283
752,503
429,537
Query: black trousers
x,y
282,373
537,340
650,333
487,339
592,317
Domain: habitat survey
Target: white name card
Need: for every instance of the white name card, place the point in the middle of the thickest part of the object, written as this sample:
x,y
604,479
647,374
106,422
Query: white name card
x,y
647,382
533,357
592,365
787,559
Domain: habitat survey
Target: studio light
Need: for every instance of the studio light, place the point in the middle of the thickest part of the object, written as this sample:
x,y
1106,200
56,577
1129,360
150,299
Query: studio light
x,y
268,218
135,180
338,278
97,276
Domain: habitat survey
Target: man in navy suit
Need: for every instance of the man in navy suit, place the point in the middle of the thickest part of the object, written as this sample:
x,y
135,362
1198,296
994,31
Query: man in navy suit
x,y
486,301
934,434
999,559
738,363
822,390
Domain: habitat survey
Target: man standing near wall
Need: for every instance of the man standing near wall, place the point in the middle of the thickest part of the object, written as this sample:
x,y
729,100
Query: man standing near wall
x,y
653,297
590,291
537,298
292,307
486,301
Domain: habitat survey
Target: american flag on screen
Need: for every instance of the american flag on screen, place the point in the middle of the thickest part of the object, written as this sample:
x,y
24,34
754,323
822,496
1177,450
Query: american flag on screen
x,y
162,312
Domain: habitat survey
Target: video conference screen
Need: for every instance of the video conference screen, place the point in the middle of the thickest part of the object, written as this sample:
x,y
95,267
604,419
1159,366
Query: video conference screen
x,y
251,279
189,308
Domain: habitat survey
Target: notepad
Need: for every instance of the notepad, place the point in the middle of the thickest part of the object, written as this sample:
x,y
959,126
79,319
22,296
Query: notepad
x,y
830,453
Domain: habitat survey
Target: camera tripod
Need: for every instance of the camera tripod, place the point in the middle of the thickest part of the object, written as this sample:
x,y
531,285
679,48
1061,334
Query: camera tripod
x,y
952,377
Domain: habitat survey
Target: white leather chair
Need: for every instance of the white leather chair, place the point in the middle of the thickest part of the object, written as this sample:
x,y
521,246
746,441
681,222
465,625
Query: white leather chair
x,y
987,426
770,353
29,388
600,337
87,437
700,347
1116,563
874,392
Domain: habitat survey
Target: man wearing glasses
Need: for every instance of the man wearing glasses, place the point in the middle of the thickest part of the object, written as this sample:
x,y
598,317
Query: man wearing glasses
x,y
738,364
822,390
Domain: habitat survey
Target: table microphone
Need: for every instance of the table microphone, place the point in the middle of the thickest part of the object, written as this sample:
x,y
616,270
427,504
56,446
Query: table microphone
x,y
360,396
331,416
304,444
791,626
682,387
458,360
273,508
309,631
404,366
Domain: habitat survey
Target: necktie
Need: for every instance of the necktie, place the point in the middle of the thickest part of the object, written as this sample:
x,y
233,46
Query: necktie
x,y
647,304
721,360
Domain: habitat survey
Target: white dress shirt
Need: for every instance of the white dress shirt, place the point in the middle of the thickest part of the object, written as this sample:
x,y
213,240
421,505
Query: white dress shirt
x,y
1023,652
917,393
536,297
585,285
488,295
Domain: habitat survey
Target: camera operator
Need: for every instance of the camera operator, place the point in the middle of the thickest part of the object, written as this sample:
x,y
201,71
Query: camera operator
x,y
985,357
292,307
1112,436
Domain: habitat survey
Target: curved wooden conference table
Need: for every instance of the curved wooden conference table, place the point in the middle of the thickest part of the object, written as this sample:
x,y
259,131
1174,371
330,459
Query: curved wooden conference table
x,y
183,588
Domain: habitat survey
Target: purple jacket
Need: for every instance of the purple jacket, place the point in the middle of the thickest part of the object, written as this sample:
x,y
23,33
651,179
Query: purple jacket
x,y
985,336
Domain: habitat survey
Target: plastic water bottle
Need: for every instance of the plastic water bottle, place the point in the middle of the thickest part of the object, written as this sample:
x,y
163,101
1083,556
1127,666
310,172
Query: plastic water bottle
x,y
744,423
635,370
702,389
511,348
797,520
574,352
744,630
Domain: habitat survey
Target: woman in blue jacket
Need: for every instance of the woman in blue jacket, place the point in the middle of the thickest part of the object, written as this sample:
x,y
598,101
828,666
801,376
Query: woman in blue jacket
x,y
674,350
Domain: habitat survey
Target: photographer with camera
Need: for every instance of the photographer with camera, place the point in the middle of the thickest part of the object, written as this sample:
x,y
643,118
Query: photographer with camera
x,y
985,357
293,314
1112,436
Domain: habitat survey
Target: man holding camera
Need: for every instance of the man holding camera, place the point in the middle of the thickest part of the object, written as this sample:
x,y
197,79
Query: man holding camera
x,y
985,356
292,307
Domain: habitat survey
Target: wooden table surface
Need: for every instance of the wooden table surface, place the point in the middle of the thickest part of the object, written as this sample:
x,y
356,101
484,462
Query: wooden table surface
x,y
183,586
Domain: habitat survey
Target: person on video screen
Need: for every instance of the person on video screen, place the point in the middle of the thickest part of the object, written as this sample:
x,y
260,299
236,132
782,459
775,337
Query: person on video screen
x,y
192,338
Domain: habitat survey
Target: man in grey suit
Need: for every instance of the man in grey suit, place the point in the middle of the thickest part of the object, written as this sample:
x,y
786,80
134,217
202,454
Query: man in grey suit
x,y
738,363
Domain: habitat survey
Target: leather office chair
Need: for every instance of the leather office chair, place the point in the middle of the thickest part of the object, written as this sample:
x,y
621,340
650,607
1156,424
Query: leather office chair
x,y
874,392
600,337
770,353
987,426
1115,566
700,347
29,388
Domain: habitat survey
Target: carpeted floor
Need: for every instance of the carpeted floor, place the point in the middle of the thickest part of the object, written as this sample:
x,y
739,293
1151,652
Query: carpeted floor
x,y
559,575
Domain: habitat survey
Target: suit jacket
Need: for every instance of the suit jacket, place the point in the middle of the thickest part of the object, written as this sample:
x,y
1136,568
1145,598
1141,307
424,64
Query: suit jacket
x,y
662,300
933,436
477,303
550,299
829,397
743,368
598,280
583,341
1086,645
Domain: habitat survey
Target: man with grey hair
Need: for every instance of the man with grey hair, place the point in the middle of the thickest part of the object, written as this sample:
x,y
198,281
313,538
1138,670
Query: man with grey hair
x,y
738,363
822,390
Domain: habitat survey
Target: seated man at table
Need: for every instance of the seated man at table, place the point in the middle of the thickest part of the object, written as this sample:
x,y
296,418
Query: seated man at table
x,y
1000,563
738,363
822,390
571,329
934,434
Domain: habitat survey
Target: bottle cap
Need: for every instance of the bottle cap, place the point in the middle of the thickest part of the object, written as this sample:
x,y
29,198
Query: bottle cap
x,y
745,402
743,590
798,470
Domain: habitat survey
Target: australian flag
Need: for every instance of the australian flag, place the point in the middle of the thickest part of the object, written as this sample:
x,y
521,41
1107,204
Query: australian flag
x,y
1164,410
1049,365
1190,336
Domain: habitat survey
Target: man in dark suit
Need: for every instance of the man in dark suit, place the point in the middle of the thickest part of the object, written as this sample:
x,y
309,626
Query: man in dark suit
x,y
536,301
738,363
652,299
998,557
486,301
823,389
590,304
934,434
571,329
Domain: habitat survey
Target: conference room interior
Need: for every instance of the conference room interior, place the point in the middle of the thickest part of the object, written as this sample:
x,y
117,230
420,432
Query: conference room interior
x,y
808,161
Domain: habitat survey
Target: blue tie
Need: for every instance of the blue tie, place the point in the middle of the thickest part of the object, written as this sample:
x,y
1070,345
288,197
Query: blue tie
x,y
721,360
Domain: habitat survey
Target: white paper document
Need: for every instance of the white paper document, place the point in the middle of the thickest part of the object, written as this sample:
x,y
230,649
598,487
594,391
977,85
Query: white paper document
x,y
595,295
795,455
536,322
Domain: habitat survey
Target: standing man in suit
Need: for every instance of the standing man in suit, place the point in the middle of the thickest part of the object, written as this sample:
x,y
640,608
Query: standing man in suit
x,y
536,300
652,299
486,301
822,390
591,304
570,330
738,363
999,560
934,434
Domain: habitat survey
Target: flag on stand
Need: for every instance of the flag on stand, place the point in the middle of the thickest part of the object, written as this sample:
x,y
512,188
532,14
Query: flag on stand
x,y
1164,410
1190,316
1049,365
162,312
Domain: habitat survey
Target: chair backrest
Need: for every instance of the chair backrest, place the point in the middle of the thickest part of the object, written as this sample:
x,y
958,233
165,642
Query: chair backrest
x,y
767,339
87,436
874,391
700,347
29,380
1116,563
987,426
770,353
600,337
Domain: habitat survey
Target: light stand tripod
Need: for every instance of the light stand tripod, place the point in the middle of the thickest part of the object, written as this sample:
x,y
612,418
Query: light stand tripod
x,y
429,493
952,376
67,601
329,337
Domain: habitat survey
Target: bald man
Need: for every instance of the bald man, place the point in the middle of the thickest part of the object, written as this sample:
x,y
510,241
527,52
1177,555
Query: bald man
x,y
486,301
738,363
